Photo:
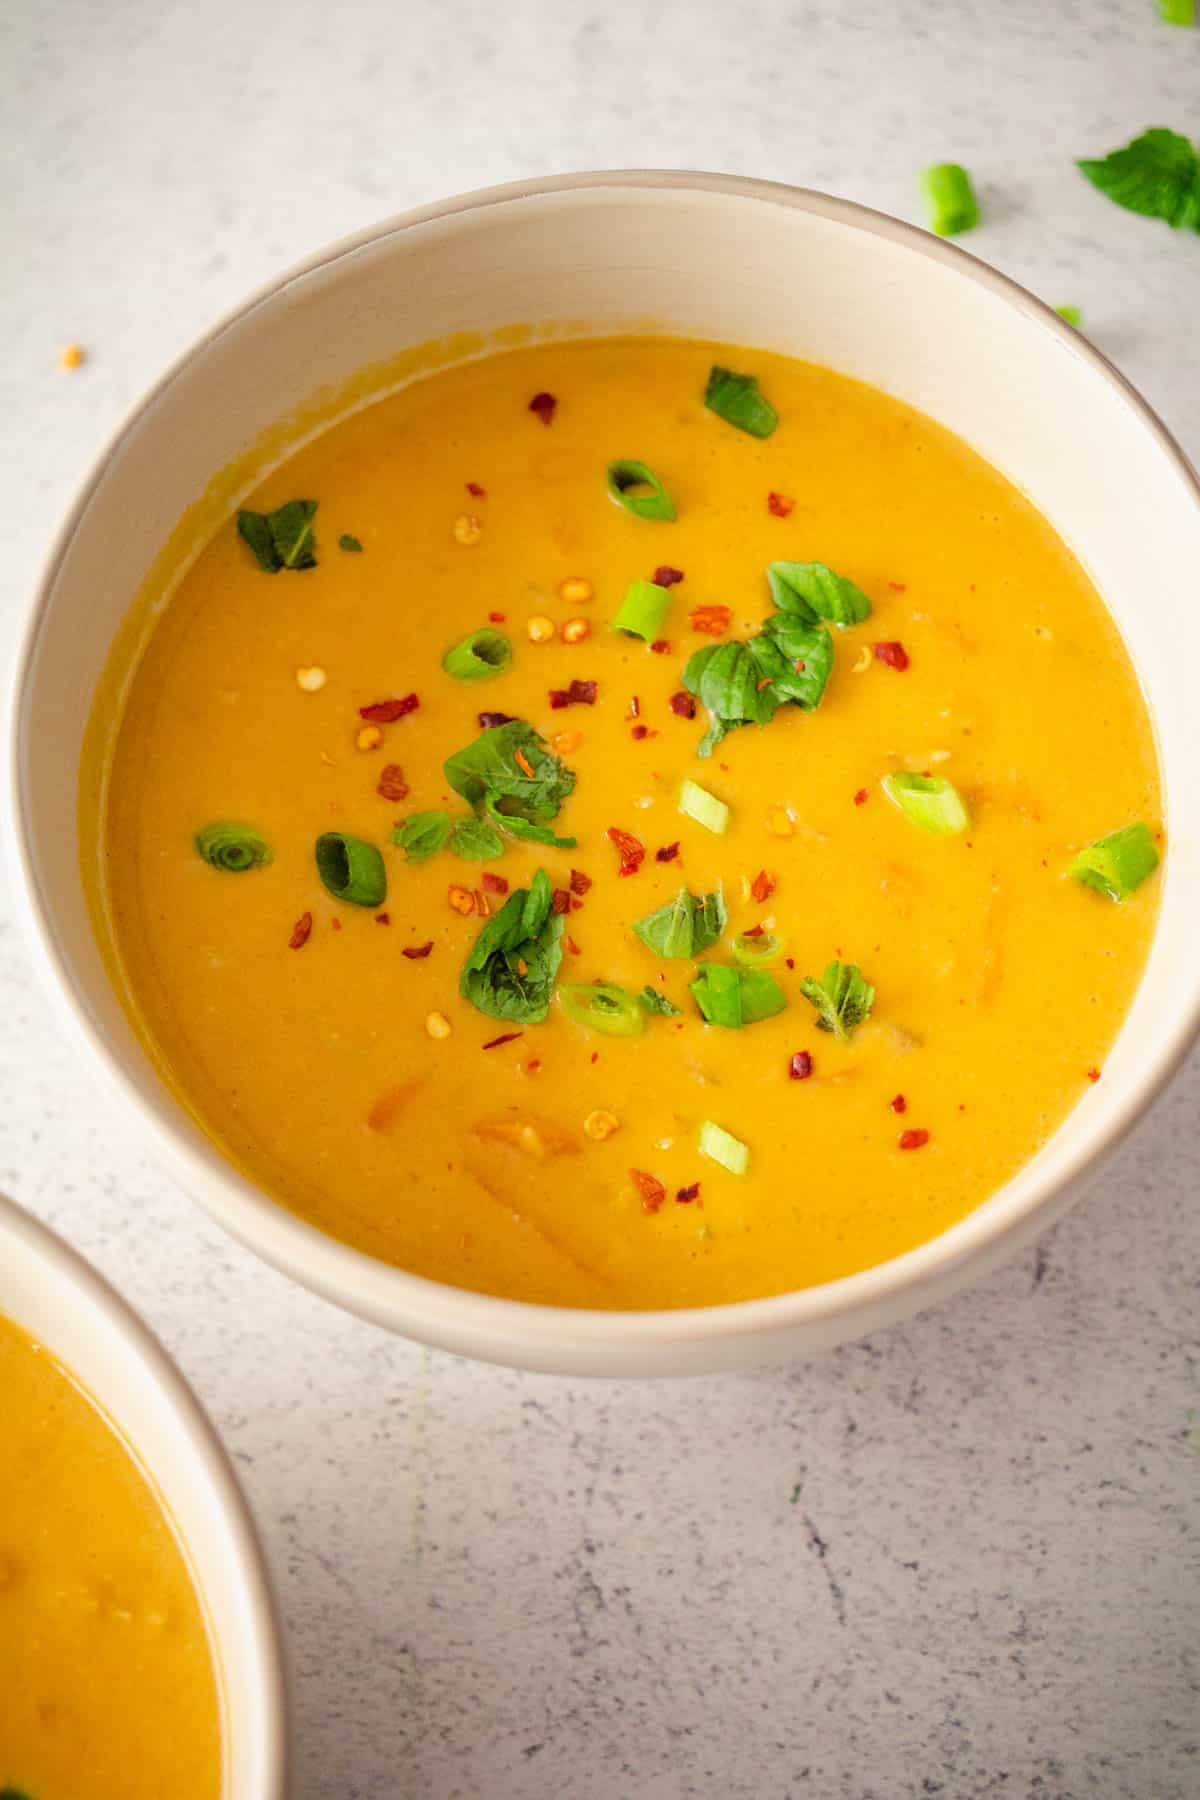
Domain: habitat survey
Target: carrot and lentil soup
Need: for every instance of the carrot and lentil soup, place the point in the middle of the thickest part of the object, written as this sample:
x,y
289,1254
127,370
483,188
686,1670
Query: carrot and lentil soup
x,y
107,1683
632,823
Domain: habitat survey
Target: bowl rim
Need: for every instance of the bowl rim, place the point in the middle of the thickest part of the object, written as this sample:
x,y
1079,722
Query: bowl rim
x,y
71,1272
436,1311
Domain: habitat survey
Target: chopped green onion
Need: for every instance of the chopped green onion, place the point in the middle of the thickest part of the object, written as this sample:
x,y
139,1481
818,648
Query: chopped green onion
x,y
421,835
929,801
638,489
843,998
643,610
721,1147
480,654
1177,12
1072,314
603,1008
654,1002
951,198
755,950
234,848
732,997
697,803
736,399
351,869
1117,864
282,539
346,542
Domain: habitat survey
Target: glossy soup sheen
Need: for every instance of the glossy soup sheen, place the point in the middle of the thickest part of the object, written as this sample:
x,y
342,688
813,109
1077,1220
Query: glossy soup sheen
x,y
999,982
107,1689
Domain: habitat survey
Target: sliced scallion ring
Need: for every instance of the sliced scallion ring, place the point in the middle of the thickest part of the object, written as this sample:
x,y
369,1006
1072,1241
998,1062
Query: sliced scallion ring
x,y
643,610
232,847
756,950
1117,864
480,654
928,801
635,486
602,1007
351,869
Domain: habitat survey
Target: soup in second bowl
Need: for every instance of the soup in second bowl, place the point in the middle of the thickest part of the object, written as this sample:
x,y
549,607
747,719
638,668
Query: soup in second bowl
x,y
107,1688
630,824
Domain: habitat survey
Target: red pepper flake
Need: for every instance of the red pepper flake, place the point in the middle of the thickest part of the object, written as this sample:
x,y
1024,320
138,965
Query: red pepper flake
x,y
686,1195
580,883
893,654
506,1037
763,886
666,576
913,1140
558,698
533,1065
480,493
801,1066
630,849
798,665
899,1104
862,796
543,405
780,505
489,721
496,618
595,1056
712,621
790,961
383,918
560,900
898,587
651,1189
764,683
415,952
386,712
639,732
391,784
1092,1074
495,884
661,646
683,705
573,947
301,931
523,763
336,924
754,931
667,853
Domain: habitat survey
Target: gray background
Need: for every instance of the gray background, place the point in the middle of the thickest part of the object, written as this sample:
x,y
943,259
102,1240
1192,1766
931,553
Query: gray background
x,y
958,1559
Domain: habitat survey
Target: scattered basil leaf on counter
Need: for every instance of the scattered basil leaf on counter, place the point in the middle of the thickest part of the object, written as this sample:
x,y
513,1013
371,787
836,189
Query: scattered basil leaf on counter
x,y
1157,175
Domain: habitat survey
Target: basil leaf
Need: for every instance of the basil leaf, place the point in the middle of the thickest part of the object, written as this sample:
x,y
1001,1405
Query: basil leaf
x,y
1157,175
812,591
655,1002
282,539
476,841
843,998
488,769
515,826
737,400
422,835
685,926
511,969
790,660
732,997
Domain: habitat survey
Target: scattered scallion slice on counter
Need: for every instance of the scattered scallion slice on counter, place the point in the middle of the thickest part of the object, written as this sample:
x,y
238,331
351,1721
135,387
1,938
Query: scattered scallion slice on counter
x,y
1117,864
732,997
756,949
1157,175
232,847
737,400
928,801
350,543
282,539
814,591
656,1002
722,1147
635,486
643,610
480,654
1177,12
950,199
685,926
511,969
476,841
422,835
351,869
602,1007
697,803
843,998
1072,314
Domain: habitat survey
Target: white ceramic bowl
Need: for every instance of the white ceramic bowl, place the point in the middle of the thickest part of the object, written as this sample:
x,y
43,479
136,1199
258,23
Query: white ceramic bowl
x,y
60,1300
701,255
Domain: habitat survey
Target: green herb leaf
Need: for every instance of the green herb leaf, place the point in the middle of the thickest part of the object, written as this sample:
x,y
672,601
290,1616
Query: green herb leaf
x,y
643,610
510,972
351,869
656,1002
638,489
488,769
1117,864
687,925
232,847
602,1007
1157,175
811,591
950,198
476,841
480,654
928,801
282,539
843,998
346,542
789,661
515,825
732,997
422,835
737,400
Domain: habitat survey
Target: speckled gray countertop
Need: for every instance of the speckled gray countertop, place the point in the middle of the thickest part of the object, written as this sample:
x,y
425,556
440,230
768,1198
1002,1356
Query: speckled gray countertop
x,y
958,1559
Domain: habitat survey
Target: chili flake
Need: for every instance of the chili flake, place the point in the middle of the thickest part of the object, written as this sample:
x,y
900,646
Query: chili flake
x,y
301,931
506,1037
638,732
497,618
893,654
391,784
666,576
713,621
580,883
1093,1074
580,693
523,763
668,852
898,587
383,918
661,646
630,849
899,1104
652,1190
862,796
386,712
685,1195
543,405
801,1066
480,493
570,944
560,900
488,721
913,1140
495,884
763,885
415,952
780,505
683,705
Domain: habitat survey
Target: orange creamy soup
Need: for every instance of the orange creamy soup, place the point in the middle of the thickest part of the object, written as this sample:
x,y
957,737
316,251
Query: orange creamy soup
x,y
631,824
107,1690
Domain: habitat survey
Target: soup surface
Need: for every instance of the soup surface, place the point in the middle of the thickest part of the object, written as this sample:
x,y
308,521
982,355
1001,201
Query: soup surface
x,y
107,1689
326,1046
